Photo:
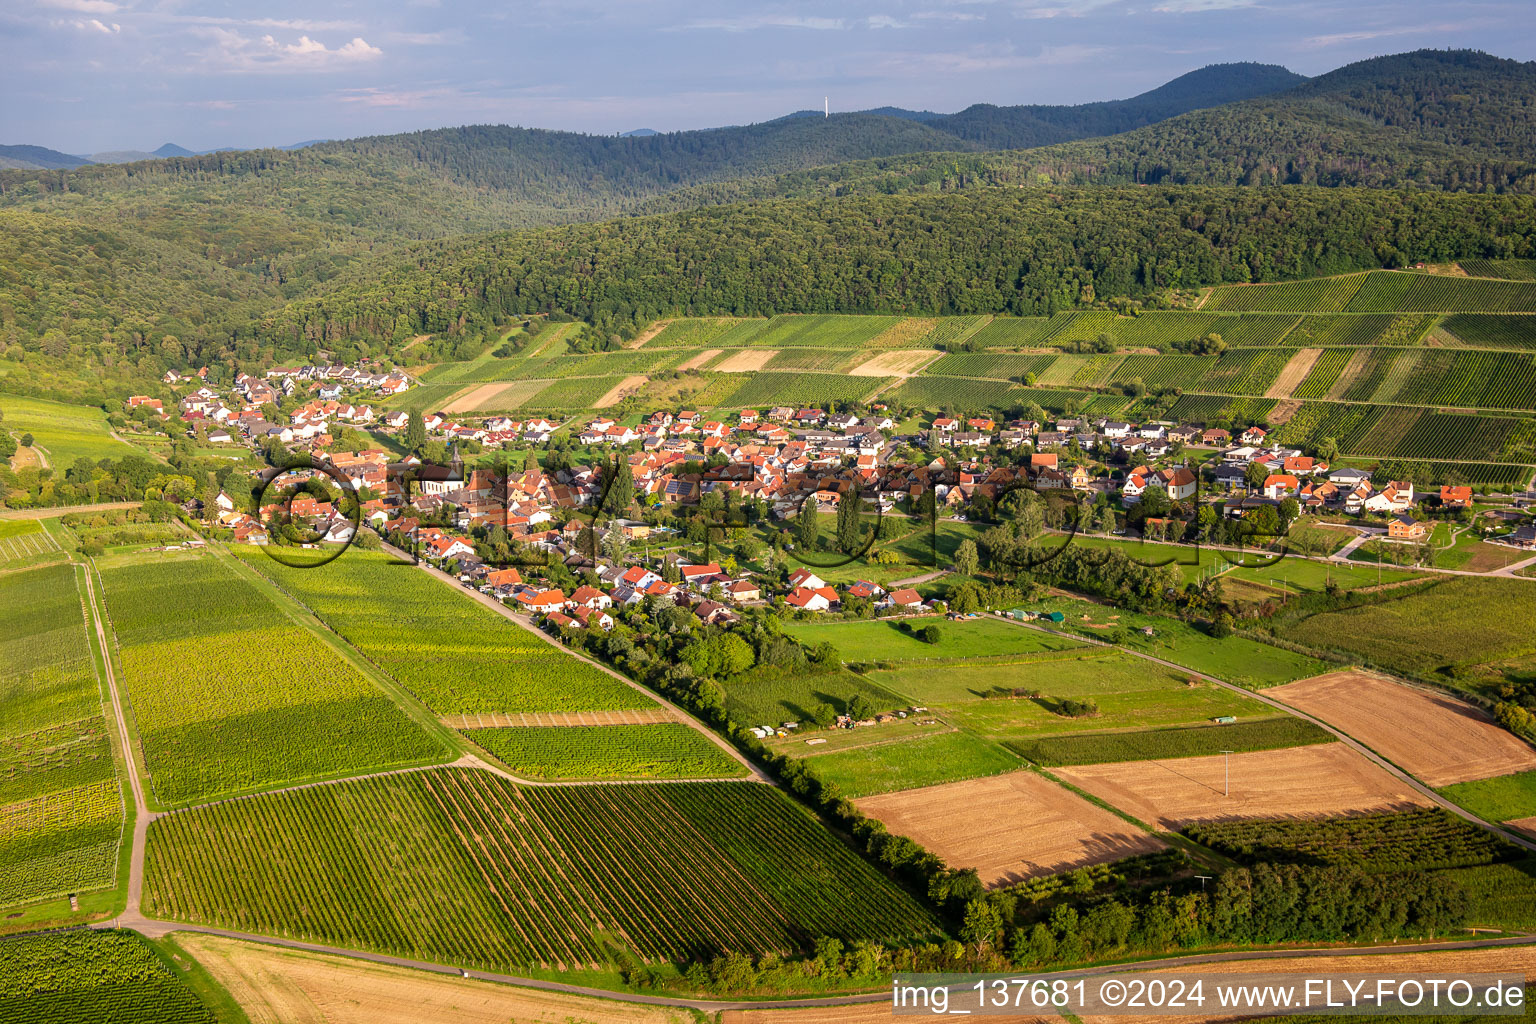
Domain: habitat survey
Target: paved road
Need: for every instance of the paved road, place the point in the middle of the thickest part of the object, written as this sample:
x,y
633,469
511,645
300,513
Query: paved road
x,y
1403,776
156,929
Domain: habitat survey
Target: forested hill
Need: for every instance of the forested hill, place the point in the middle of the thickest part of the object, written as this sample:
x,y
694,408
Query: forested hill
x,y
529,176
1021,251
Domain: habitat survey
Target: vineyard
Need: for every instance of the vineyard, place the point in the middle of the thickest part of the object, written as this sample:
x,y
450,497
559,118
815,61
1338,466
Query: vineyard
x,y
112,977
1491,330
1165,371
1408,840
1015,332
668,751
695,333
1473,380
1324,373
817,360
960,394
230,696
459,866
1000,366
817,330
953,329
1508,270
1157,744
455,655
1244,371
1359,329
1221,409
646,360
799,389
60,810
1386,291
1316,295
571,393
23,541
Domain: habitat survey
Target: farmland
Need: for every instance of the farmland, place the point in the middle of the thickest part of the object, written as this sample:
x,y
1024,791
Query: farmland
x,y
911,763
670,751
1491,330
1189,741
1501,798
1392,720
269,703
24,542
960,393
666,871
64,432
1308,782
1429,632
1386,292
771,698
92,976
1009,827
409,625
818,389
61,811
1424,840
1318,295
887,641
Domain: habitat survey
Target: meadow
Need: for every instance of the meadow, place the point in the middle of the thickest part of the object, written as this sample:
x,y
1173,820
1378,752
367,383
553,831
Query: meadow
x,y
64,432
230,696
911,763
770,697
61,811
887,640
548,877
666,751
105,976
455,655
1501,798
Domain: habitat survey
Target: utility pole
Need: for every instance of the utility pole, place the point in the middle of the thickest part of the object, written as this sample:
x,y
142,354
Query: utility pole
x,y
1227,788
1203,880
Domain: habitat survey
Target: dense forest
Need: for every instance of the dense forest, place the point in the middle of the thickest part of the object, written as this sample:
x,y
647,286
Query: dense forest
x,y
1016,251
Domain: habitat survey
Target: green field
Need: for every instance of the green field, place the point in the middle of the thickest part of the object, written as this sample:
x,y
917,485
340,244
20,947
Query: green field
x,y
64,432
24,542
1503,798
911,763
110,977
1425,840
61,811
885,640
535,877
454,654
1159,744
770,698
1432,631
666,751
230,696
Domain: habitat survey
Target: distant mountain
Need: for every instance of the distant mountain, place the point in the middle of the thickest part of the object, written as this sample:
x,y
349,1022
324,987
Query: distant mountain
x,y
122,156
171,149
639,133
910,115
37,158
304,145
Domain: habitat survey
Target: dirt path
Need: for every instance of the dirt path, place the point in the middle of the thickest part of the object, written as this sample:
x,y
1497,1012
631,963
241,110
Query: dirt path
x,y
619,390
496,720
51,513
1259,696
1351,370
913,581
649,333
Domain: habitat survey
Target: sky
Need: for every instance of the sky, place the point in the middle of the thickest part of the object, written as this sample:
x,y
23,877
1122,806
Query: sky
x,y
87,76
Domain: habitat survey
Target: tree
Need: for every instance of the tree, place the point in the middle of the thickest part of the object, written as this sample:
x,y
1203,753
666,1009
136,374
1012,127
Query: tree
x,y
1255,475
622,492
415,431
615,545
1328,449
807,529
27,439
858,707
823,714
848,532
967,561
930,634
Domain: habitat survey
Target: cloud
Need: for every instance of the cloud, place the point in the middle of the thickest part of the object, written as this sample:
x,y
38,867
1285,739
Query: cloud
x,y
884,21
232,51
1061,9
752,22
96,25
983,58
946,16
1365,35
1200,6
83,6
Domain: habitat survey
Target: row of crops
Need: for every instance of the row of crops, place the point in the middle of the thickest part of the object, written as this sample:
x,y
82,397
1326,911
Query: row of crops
x,y
1407,840
598,364
84,975
819,360
1380,291
1324,374
989,364
816,330
460,866
1509,270
1220,408
1490,330
1412,433
455,655
662,751
230,695
960,393
761,389
61,812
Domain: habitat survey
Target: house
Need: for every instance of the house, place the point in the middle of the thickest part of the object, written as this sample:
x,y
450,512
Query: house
x,y
1404,527
1454,497
806,578
713,612
443,548
1348,478
1397,496
810,599
1180,482
1044,460
543,600
905,598
503,578
1216,437
700,574
560,620
743,590
1254,435
1525,537
945,424
1281,485
593,618
590,597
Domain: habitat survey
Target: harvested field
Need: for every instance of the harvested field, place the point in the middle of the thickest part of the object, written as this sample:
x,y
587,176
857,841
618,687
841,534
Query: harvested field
x,y
694,362
638,716
619,390
1527,826
748,360
1009,827
497,395
1294,373
1438,964
893,364
1281,414
284,986
905,333
1397,722
1324,780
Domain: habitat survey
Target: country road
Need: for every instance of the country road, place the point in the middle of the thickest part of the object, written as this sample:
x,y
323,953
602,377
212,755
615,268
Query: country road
x,y
63,510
